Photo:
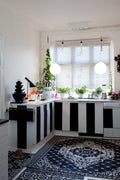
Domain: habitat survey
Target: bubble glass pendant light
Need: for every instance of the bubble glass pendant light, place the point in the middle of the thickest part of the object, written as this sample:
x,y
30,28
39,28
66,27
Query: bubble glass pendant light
x,y
100,67
55,68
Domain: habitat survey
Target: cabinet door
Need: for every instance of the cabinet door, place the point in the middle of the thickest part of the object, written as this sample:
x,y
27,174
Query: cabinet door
x,y
73,116
51,116
66,116
42,122
58,116
82,118
45,120
48,119
90,113
98,118
108,118
38,124
116,118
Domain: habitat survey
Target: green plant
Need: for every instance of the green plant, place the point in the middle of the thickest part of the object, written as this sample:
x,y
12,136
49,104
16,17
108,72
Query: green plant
x,y
93,93
98,90
63,90
83,90
39,85
48,77
111,89
78,91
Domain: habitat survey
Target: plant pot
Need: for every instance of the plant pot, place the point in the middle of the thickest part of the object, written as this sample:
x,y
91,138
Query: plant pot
x,y
48,88
114,96
80,96
62,95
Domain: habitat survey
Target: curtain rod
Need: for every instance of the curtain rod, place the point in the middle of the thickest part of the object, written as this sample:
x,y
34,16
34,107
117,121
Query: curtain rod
x,y
84,40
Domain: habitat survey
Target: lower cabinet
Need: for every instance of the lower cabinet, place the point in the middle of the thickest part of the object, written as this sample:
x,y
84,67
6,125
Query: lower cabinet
x,y
90,119
84,118
66,116
112,122
58,116
26,130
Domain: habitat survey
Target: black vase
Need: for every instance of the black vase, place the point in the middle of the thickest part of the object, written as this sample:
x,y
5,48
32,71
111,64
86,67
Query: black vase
x,y
19,94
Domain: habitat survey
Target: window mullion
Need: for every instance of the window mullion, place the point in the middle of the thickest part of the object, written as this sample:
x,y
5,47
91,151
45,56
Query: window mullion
x,y
72,65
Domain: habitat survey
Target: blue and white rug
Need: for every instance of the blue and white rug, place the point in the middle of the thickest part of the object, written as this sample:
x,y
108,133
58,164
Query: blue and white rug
x,y
74,158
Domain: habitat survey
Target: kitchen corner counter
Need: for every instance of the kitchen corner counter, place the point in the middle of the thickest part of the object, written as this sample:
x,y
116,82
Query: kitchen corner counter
x,y
39,102
30,103
2,121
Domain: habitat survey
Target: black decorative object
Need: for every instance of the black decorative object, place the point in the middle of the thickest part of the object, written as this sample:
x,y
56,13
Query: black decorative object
x,y
19,92
117,58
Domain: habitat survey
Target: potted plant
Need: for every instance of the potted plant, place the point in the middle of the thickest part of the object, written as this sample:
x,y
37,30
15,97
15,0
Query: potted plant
x,y
98,92
81,91
63,92
93,94
48,77
111,89
40,86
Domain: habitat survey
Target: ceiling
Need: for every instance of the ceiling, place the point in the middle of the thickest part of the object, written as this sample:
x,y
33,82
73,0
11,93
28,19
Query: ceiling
x,y
51,15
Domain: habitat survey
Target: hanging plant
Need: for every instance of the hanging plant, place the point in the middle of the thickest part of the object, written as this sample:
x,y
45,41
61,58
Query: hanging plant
x,y
48,77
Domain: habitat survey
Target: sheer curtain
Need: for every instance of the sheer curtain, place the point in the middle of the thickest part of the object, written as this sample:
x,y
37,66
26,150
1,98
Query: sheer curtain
x,y
77,66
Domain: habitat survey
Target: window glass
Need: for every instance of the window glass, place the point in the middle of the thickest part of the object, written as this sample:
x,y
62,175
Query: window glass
x,y
81,55
63,55
104,55
77,67
64,79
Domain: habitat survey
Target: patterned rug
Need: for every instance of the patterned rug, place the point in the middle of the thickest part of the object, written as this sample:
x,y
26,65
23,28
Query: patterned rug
x,y
73,158
16,163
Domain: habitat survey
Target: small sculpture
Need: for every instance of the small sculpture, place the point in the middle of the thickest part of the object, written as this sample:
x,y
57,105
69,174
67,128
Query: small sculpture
x,y
19,94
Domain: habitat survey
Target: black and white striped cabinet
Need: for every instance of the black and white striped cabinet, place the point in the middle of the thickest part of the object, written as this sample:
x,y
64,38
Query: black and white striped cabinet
x,y
66,116
29,125
85,118
112,120
91,119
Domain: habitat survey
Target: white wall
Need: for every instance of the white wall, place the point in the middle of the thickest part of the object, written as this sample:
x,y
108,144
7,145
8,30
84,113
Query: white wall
x,y
21,51
113,34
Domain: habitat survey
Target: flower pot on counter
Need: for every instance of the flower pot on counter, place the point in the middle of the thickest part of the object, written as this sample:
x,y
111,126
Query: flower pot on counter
x,y
114,96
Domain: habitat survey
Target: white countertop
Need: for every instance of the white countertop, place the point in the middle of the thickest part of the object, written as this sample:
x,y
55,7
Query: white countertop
x,y
87,100
38,102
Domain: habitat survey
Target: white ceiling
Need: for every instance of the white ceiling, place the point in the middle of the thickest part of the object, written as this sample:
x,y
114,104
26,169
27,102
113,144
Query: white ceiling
x,y
51,15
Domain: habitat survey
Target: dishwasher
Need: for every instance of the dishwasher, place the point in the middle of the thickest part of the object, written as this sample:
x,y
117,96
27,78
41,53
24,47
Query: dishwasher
x,y
111,119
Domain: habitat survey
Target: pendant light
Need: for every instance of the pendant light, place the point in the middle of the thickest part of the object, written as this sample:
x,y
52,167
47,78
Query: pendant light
x,y
81,43
55,68
100,67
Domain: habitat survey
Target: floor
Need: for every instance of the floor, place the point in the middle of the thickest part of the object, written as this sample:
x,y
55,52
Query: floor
x,y
69,158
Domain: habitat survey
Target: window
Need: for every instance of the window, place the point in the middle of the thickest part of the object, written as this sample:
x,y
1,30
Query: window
x,y
77,67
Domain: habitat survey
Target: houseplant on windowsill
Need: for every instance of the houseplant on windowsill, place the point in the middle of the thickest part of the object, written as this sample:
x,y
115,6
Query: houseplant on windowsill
x,y
98,92
81,91
64,92
111,90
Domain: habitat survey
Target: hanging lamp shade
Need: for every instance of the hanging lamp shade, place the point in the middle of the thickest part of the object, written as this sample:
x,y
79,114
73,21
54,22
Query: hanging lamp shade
x,y
100,67
55,69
